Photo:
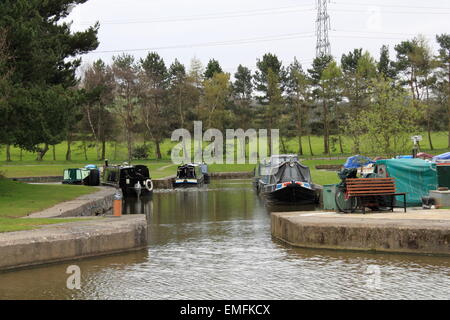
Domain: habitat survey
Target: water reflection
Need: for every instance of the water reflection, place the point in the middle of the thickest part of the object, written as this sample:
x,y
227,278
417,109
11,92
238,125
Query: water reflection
x,y
215,243
138,205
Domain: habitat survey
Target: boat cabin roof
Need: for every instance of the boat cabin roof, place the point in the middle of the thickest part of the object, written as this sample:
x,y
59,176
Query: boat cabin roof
x,y
191,165
279,158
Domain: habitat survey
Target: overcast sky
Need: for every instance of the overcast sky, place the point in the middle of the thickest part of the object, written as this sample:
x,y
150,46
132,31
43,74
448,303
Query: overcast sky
x,y
240,31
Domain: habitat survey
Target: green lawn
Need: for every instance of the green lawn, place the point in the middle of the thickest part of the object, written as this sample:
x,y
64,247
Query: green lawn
x,y
11,224
164,168
158,170
19,199
117,152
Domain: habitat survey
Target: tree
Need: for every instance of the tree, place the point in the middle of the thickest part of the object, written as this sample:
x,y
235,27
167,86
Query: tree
x,y
350,61
273,110
126,94
212,68
444,67
154,84
5,88
45,60
215,100
196,78
49,125
385,65
415,63
177,90
298,96
98,82
411,57
358,71
242,90
332,84
316,76
390,119
183,97
196,73
268,62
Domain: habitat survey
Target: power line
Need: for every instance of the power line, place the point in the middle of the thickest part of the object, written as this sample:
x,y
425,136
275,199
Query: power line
x,y
368,37
213,16
393,12
382,32
389,5
220,43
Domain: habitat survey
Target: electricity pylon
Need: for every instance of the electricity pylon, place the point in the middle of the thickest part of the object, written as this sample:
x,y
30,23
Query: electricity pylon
x,y
322,26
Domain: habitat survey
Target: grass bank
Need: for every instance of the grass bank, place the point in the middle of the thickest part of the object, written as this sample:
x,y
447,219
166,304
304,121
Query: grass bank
x,y
158,170
116,152
19,199
10,225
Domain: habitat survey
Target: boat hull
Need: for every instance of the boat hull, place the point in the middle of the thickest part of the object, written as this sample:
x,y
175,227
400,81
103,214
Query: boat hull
x,y
292,193
188,183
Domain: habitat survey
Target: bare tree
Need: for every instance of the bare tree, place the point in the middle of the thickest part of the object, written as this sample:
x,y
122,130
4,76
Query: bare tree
x,y
125,73
99,83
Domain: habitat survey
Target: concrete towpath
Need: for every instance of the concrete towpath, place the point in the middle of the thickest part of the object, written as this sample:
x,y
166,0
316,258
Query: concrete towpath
x,y
417,231
94,204
72,240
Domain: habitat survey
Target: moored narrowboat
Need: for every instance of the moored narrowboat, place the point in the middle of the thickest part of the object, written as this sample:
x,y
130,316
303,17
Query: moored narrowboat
x,y
88,176
131,179
285,179
191,174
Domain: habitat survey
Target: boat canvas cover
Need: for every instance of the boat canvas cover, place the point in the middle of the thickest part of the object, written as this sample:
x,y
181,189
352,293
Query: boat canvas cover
x,y
291,171
415,177
76,174
444,156
357,162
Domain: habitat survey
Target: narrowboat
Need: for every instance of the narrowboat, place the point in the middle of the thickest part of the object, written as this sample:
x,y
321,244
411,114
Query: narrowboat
x,y
132,179
88,176
285,179
191,174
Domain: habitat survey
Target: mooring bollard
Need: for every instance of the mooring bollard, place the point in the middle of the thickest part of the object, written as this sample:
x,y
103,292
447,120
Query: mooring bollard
x,y
117,204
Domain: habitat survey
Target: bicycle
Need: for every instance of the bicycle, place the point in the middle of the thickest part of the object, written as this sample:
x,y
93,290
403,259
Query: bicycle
x,y
344,202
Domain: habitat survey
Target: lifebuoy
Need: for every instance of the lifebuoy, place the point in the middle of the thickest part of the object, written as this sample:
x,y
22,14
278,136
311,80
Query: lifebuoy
x,y
148,185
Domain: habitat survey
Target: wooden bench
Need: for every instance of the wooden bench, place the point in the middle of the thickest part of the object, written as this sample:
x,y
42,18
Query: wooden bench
x,y
370,189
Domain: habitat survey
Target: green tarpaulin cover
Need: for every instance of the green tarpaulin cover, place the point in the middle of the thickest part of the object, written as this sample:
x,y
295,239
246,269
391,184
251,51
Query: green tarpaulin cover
x,y
416,177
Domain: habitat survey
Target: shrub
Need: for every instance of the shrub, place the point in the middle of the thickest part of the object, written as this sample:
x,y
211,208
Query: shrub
x,y
140,152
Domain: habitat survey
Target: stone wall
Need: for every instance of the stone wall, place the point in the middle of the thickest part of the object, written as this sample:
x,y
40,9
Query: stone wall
x,y
402,235
75,240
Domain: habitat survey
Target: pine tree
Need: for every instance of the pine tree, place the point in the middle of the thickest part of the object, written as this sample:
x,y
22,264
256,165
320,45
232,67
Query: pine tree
x,y
45,61
212,68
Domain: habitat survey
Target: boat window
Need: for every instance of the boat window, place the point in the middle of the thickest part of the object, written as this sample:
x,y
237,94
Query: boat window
x,y
295,172
265,179
186,173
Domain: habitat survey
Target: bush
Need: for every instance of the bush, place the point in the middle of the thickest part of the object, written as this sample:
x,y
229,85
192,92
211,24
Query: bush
x,y
140,152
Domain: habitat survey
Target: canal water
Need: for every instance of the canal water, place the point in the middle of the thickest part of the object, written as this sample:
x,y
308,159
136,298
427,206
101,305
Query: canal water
x,y
215,243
